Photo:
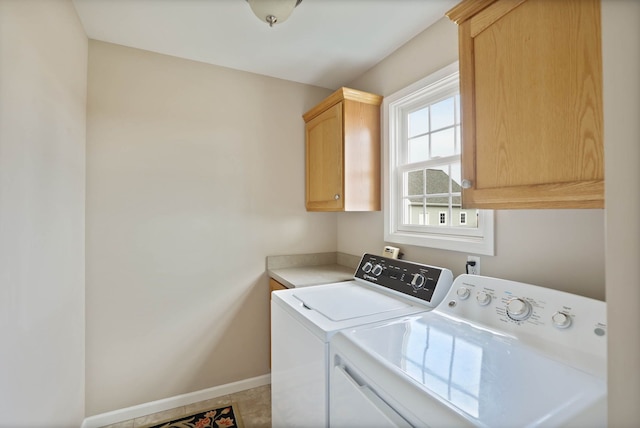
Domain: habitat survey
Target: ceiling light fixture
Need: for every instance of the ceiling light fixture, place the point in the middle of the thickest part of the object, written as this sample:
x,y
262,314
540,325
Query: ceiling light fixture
x,y
272,11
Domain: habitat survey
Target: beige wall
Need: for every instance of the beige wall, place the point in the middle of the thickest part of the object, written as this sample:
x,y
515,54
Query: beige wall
x,y
43,67
621,54
562,249
195,174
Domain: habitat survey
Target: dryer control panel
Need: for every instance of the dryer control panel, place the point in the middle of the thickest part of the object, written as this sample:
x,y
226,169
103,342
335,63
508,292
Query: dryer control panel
x,y
418,282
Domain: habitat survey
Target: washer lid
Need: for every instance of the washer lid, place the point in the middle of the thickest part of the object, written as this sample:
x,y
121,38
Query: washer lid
x,y
348,302
490,379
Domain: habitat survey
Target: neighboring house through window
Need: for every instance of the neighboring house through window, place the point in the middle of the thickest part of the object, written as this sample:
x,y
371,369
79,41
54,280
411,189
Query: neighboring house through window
x,y
422,161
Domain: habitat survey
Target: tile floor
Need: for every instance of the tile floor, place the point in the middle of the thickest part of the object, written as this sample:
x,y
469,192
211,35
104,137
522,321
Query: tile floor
x,y
253,405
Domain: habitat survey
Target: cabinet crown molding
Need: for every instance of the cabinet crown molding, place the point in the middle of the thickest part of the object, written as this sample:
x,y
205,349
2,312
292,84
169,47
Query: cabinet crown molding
x,y
467,9
341,95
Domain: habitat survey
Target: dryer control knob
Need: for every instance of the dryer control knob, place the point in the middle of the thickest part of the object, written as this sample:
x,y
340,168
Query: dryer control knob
x,y
463,293
561,320
377,270
418,281
519,309
483,298
367,267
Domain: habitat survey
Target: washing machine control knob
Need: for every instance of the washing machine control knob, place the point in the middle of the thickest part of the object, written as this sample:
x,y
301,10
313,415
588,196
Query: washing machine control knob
x,y
518,309
418,281
561,320
463,293
377,270
366,268
483,298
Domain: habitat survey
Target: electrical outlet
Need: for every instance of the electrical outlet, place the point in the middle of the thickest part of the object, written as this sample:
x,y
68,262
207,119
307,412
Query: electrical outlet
x,y
475,269
391,252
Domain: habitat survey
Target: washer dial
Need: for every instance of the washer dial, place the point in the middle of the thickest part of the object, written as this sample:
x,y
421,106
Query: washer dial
x,y
561,319
483,298
518,309
377,270
418,281
463,293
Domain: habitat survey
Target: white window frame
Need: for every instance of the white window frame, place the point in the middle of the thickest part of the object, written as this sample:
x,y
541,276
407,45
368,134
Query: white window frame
x,y
477,241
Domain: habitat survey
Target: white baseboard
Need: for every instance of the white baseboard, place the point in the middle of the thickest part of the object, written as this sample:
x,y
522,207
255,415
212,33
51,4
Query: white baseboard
x,y
127,413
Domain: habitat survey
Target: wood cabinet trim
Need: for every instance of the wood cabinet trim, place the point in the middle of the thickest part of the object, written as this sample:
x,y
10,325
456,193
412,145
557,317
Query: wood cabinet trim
x,y
491,14
466,9
579,194
341,95
467,111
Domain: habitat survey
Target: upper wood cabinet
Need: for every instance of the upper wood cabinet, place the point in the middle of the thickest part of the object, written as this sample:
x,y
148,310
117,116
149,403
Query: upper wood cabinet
x,y
531,91
343,152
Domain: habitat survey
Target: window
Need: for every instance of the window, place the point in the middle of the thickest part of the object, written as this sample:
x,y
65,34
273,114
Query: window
x,y
422,161
443,218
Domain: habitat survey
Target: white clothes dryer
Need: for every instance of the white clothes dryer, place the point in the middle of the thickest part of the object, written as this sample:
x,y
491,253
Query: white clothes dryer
x,y
495,353
303,321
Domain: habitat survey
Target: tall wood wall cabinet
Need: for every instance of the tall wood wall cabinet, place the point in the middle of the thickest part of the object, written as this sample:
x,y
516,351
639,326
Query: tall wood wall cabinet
x,y
531,91
343,152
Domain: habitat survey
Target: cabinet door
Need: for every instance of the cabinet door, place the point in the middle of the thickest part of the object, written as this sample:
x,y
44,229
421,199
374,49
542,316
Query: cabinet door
x,y
531,89
324,161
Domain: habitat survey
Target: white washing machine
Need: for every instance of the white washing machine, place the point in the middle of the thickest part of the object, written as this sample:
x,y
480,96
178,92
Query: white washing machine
x,y
495,353
303,321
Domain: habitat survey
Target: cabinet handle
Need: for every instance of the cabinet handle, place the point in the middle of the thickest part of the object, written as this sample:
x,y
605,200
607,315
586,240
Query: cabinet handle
x,y
466,184
336,197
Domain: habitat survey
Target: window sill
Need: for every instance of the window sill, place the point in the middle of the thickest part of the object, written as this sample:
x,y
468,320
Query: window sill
x,y
462,243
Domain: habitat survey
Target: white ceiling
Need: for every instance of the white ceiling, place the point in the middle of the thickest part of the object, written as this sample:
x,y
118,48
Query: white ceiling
x,y
326,43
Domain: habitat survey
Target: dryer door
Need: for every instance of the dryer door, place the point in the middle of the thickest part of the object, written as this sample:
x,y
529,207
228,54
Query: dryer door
x,y
354,404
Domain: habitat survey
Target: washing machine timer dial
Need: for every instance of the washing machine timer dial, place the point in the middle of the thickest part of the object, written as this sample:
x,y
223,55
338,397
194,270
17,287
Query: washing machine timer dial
x,y
519,309
418,281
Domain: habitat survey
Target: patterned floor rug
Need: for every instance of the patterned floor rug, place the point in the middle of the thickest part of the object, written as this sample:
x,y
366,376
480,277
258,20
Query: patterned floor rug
x,y
224,417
